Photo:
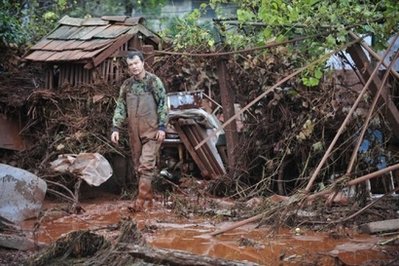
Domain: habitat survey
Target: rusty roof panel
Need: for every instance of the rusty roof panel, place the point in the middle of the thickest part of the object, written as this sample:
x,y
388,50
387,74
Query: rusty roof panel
x,y
112,31
40,55
94,22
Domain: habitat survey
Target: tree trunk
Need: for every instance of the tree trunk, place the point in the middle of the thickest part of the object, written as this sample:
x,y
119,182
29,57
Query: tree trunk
x,y
175,257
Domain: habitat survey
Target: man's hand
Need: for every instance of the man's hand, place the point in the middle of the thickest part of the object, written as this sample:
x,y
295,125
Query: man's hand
x,y
115,137
160,136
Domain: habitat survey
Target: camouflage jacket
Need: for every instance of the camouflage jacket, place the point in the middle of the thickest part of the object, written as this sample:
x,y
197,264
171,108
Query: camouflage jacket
x,y
150,83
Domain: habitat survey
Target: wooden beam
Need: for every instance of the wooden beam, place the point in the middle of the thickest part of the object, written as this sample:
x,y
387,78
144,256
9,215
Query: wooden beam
x,y
373,53
380,226
109,51
227,96
366,68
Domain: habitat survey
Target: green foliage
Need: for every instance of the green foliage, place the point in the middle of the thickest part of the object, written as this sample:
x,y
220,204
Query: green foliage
x,y
188,32
25,24
264,21
11,31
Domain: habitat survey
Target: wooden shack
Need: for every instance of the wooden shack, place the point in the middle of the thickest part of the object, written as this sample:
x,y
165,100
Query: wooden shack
x,y
83,51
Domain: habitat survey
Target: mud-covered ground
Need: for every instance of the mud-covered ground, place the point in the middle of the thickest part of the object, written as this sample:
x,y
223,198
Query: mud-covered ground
x,y
184,223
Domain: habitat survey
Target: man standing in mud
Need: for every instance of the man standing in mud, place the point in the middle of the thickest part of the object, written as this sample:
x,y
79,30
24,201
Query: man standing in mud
x,y
142,100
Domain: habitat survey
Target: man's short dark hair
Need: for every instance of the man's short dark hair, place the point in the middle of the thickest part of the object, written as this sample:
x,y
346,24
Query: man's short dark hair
x,y
132,54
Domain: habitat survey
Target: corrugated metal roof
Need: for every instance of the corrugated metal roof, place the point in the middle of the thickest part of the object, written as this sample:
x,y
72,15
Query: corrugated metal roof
x,y
79,39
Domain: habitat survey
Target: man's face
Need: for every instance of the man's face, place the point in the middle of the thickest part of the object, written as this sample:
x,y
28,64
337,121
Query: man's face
x,y
135,65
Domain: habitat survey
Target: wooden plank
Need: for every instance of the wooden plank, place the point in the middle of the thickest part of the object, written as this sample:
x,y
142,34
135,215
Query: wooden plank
x,y
227,96
134,21
61,75
118,72
148,51
380,226
201,152
59,32
78,73
72,44
102,68
114,18
50,77
366,68
112,32
111,49
210,156
40,55
146,32
67,73
58,56
190,148
95,44
174,257
67,20
109,69
72,74
90,75
81,32
96,30
55,45
47,79
67,35
90,55
94,22
134,43
17,242
42,43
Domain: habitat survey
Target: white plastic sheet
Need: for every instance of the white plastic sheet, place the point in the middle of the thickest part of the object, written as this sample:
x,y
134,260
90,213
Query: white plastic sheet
x,y
91,167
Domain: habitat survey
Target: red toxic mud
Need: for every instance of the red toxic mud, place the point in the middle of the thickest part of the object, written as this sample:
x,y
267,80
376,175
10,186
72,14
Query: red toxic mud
x,y
162,229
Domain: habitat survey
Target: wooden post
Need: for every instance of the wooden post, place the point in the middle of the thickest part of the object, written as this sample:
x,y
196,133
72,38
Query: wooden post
x,y
227,96
366,68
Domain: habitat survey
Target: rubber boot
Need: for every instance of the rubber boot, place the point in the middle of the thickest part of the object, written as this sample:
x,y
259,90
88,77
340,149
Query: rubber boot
x,y
144,197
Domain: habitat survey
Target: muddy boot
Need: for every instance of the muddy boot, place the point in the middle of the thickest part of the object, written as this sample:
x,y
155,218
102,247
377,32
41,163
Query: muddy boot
x,y
144,197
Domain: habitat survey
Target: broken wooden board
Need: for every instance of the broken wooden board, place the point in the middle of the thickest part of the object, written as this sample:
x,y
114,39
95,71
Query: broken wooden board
x,y
380,226
18,242
175,257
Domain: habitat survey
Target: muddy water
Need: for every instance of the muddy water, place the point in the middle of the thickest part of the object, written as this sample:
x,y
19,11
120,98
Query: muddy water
x,y
163,229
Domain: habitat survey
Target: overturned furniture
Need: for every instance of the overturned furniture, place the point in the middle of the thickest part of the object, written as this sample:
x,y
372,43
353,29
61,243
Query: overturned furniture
x,y
193,125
